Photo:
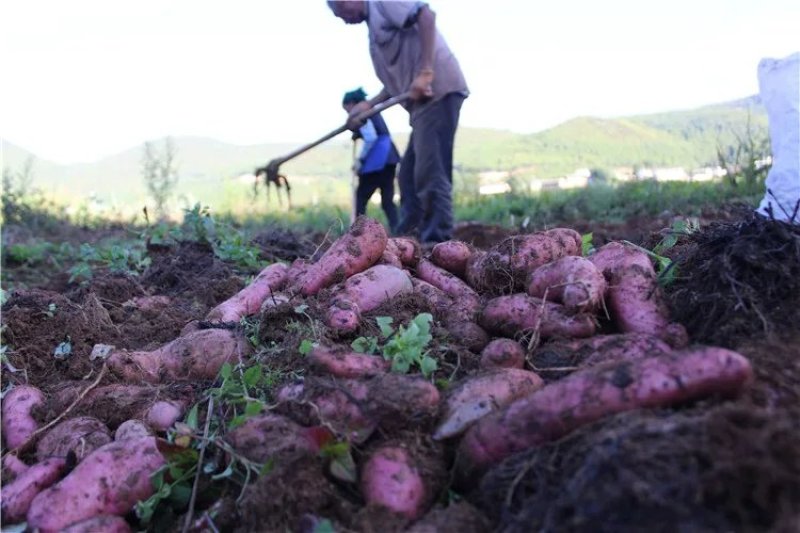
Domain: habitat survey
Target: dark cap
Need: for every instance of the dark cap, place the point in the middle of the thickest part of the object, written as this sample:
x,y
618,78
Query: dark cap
x,y
354,97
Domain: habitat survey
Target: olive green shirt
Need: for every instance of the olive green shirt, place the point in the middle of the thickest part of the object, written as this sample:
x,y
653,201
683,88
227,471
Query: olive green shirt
x,y
395,48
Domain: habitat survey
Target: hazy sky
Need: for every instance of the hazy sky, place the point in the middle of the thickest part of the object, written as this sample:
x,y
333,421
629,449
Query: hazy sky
x,y
83,79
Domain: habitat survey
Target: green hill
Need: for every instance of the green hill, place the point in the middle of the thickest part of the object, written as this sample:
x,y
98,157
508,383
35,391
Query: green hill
x,y
209,169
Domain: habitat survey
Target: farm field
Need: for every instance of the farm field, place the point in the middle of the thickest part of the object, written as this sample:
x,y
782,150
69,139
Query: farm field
x,y
251,420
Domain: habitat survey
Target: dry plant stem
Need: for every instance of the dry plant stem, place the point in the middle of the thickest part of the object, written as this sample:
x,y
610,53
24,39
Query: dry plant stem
x,y
57,419
188,522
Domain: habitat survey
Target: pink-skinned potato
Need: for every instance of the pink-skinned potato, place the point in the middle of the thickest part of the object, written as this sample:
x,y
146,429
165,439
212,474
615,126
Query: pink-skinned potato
x,y
594,393
407,250
344,363
477,396
506,266
458,319
514,314
18,421
365,292
107,482
502,353
634,298
270,436
13,467
355,251
452,256
390,479
99,524
196,356
559,358
18,495
248,301
163,414
81,435
132,429
332,403
572,281
388,258
465,299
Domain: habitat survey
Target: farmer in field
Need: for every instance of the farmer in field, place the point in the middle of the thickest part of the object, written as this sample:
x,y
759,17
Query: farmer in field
x,y
377,163
409,54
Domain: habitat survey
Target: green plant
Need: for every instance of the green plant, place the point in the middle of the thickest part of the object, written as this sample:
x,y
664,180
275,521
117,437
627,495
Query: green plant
x,y
665,267
405,347
160,173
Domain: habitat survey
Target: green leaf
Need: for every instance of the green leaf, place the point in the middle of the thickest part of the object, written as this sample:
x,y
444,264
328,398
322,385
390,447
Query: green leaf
x,y
252,376
180,495
385,325
324,526
191,418
586,243
344,468
400,365
226,371
253,408
307,345
237,421
428,366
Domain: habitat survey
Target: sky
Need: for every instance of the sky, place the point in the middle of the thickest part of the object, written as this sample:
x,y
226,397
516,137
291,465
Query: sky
x,y
84,79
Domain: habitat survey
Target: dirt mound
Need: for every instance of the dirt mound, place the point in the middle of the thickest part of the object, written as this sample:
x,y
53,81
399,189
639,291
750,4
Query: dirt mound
x,y
280,244
51,337
739,281
110,288
706,469
192,272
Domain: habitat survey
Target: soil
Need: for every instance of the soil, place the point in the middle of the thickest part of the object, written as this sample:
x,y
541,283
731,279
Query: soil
x,y
719,464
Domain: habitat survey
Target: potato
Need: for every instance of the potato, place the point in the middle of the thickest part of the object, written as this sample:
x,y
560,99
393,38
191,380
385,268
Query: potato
x,y
13,467
333,403
559,358
406,249
503,353
571,281
466,300
248,301
18,422
163,414
18,495
390,479
364,292
353,252
269,436
477,396
597,392
81,435
345,363
518,313
196,356
634,298
506,266
132,429
452,256
107,482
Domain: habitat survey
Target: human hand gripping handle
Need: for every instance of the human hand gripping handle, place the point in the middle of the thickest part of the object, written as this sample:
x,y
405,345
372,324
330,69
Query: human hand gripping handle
x,y
422,86
363,110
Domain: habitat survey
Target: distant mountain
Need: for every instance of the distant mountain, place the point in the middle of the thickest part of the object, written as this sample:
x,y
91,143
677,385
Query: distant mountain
x,y
687,138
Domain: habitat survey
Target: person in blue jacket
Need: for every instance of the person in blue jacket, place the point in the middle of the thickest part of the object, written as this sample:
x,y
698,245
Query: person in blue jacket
x,y
377,162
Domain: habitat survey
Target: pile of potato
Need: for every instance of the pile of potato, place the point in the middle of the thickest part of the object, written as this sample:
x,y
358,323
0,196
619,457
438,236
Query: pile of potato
x,y
533,287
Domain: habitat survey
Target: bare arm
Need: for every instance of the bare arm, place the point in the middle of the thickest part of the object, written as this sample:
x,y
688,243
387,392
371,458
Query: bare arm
x,y
422,86
427,35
